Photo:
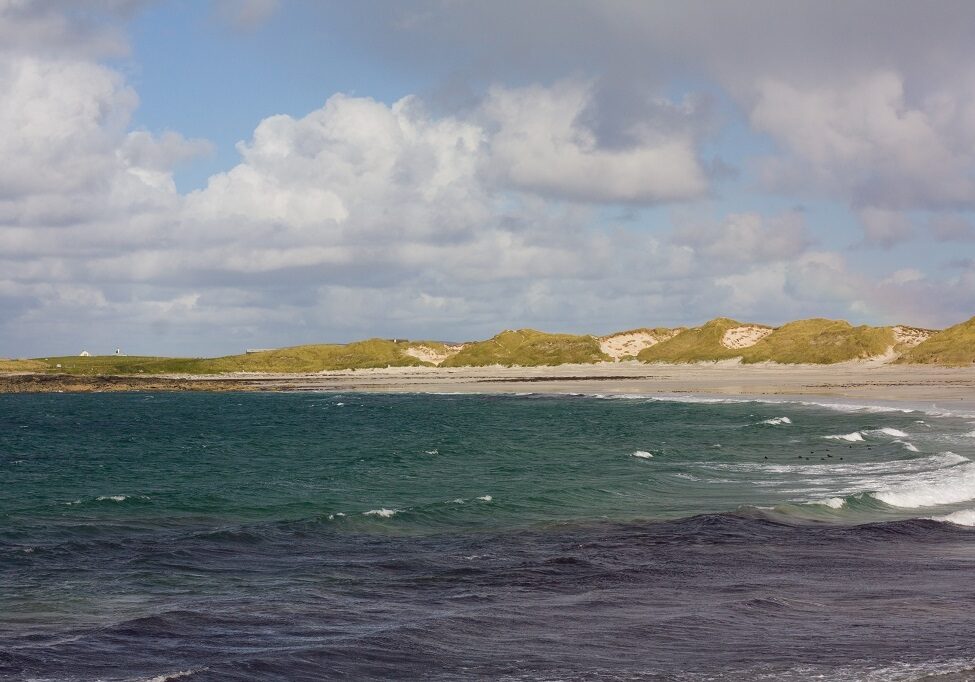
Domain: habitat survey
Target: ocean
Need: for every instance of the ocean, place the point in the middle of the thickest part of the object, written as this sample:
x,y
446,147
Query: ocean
x,y
292,536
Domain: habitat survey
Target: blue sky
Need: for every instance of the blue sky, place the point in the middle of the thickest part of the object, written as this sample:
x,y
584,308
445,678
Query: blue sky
x,y
198,177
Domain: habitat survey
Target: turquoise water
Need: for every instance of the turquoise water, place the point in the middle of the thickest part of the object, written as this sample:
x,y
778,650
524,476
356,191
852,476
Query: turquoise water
x,y
208,519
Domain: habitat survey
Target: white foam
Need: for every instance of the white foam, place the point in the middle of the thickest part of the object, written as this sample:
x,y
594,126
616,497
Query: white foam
x,y
641,454
965,517
910,447
896,433
944,478
942,486
775,421
382,513
431,452
854,437
173,676
120,498
834,502
485,498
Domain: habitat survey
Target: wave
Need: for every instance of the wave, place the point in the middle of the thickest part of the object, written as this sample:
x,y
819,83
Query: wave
x,y
867,408
108,498
939,461
854,437
776,421
964,517
641,454
858,436
174,676
939,487
382,513
896,433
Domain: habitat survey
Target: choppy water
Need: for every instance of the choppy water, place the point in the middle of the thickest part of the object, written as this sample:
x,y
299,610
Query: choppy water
x,y
307,536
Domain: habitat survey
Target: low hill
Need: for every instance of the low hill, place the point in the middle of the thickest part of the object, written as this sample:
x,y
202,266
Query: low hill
x,y
955,346
308,358
715,340
820,342
528,348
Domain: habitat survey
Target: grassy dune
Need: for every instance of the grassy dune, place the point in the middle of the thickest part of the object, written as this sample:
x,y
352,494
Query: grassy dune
x,y
698,344
528,348
820,342
955,347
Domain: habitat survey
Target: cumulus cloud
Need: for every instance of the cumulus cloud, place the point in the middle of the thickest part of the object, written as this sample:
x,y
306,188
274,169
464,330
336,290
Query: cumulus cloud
x,y
747,238
862,140
543,142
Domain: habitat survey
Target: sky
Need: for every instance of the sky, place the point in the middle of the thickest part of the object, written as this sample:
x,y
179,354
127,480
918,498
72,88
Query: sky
x,y
197,177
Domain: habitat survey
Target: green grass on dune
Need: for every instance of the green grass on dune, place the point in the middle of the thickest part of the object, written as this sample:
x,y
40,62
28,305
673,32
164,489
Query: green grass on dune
x,y
819,342
954,346
658,332
698,344
528,348
815,341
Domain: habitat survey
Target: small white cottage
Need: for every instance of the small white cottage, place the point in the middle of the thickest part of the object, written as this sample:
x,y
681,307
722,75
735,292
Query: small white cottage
x,y
84,354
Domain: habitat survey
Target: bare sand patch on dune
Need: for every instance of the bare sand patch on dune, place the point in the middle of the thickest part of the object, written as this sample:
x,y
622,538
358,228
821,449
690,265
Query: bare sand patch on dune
x,y
432,355
909,337
619,346
744,337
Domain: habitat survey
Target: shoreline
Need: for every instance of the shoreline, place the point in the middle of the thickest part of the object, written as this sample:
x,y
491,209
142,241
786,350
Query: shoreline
x,y
898,383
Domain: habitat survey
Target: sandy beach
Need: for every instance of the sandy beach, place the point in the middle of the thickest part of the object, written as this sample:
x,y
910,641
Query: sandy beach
x,y
855,381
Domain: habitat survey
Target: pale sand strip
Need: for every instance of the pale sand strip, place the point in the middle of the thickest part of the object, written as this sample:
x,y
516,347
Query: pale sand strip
x,y
947,387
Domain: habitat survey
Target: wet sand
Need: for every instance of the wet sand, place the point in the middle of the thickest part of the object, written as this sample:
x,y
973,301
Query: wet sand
x,y
853,381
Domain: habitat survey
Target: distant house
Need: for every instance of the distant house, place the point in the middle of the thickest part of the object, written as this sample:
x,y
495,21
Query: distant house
x,y
259,350
84,354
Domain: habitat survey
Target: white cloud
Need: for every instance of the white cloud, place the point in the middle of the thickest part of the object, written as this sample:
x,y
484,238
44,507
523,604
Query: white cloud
x,y
542,144
747,238
860,139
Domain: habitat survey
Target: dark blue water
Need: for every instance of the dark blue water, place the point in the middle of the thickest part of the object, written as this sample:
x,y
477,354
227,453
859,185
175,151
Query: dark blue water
x,y
310,536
